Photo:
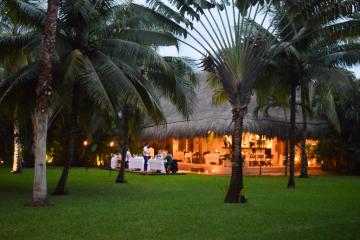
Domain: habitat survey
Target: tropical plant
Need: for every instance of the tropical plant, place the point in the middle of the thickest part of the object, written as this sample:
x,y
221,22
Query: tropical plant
x,y
10,65
317,56
236,53
273,92
340,149
43,96
107,54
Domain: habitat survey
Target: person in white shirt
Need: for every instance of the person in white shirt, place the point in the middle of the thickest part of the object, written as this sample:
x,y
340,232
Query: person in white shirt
x,y
146,153
128,156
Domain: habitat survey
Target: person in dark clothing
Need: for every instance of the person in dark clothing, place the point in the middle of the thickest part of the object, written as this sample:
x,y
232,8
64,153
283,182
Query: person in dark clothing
x,y
170,164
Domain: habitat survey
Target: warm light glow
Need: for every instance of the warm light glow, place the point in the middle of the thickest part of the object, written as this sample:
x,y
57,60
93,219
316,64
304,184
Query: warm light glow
x,y
17,149
213,170
98,162
85,143
112,144
312,142
2,162
49,158
206,172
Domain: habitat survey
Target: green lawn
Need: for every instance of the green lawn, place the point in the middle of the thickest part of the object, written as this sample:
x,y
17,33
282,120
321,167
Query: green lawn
x,y
180,207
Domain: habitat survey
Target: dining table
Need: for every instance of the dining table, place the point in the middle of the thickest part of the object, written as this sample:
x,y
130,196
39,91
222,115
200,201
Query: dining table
x,y
136,163
155,165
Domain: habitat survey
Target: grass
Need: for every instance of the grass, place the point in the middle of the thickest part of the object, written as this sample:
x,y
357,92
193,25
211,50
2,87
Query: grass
x,y
180,207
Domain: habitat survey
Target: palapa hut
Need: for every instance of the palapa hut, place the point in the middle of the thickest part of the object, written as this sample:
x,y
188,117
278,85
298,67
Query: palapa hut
x,y
203,142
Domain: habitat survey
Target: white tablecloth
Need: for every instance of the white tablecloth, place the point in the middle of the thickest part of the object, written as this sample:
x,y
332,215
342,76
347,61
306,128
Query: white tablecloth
x,y
136,163
115,162
212,158
156,165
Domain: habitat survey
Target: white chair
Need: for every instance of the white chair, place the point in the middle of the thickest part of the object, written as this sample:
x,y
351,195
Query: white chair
x,y
188,157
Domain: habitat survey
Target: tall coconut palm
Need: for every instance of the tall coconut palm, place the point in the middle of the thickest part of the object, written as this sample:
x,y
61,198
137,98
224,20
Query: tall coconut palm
x,y
43,95
334,32
186,80
9,28
107,54
325,33
319,53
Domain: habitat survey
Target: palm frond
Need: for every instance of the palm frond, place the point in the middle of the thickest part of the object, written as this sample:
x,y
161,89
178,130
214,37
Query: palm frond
x,y
168,12
127,50
150,38
183,66
219,94
178,88
316,13
119,86
347,54
161,19
349,29
326,104
9,84
78,68
28,14
15,46
149,103
77,13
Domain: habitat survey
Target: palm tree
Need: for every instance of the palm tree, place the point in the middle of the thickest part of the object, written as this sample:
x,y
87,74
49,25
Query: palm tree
x,y
107,54
315,64
9,28
343,146
236,53
273,92
43,94
317,55
185,79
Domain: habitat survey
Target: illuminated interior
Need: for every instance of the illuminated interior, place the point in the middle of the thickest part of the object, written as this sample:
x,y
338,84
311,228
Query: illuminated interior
x,y
257,150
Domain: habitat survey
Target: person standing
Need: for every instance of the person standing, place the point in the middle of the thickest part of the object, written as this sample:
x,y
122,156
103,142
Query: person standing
x,y
146,153
128,156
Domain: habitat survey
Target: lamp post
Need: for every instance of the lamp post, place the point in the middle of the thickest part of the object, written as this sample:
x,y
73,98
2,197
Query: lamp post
x,y
111,145
85,144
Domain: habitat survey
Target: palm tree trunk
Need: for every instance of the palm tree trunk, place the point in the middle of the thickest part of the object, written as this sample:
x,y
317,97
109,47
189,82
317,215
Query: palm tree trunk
x,y
40,121
121,176
61,185
236,183
17,164
286,144
292,135
43,96
304,163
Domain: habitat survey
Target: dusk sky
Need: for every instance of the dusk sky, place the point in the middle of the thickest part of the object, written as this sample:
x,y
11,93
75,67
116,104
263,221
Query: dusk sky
x,y
187,51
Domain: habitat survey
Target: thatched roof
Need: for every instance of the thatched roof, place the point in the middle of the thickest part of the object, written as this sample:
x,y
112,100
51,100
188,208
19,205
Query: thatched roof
x,y
218,118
